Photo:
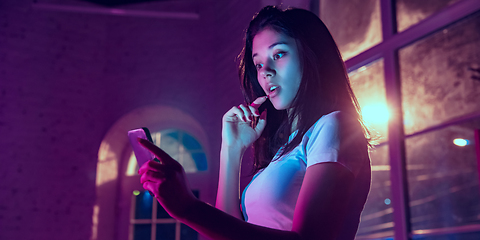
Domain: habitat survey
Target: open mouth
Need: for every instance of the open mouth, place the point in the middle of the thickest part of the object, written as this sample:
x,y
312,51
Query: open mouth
x,y
272,89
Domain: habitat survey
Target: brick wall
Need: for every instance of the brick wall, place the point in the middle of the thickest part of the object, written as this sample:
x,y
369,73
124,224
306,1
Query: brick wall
x,y
66,77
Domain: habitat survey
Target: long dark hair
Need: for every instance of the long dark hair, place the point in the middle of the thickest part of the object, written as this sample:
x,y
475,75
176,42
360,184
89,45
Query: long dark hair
x,y
324,87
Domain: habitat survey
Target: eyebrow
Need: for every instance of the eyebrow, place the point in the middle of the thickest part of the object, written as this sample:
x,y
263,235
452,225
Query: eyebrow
x,y
271,46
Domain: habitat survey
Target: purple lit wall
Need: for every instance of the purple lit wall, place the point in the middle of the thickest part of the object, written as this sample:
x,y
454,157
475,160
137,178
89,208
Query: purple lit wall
x,y
70,71
66,77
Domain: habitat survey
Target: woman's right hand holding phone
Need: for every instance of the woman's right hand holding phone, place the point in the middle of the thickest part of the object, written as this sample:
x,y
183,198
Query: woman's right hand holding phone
x,y
237,131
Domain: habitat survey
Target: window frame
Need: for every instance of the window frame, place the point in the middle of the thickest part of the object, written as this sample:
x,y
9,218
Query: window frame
x,y
388,49
153,221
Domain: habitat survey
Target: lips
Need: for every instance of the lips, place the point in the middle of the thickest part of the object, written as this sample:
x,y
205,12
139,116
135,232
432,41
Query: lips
x,y
273,90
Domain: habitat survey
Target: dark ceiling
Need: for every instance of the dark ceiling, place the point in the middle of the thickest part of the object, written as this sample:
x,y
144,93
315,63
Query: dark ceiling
x,y
113,3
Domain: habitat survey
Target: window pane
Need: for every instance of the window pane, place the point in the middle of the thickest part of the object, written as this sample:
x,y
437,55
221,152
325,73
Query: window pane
x,y
188,233
169,143
436,76
410,12
443,178
369,87
187,162
354,24
143,205
184,148
376,221
165,231
142,231
200,161
190,143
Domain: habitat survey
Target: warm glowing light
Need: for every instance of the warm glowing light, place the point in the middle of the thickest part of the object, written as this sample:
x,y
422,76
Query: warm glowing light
x,y
376,168
132,165
96,210
361,69
107,167
136,192
375,113
460,142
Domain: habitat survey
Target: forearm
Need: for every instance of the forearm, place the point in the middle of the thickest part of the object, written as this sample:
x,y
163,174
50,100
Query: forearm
x,y
215,224
228,182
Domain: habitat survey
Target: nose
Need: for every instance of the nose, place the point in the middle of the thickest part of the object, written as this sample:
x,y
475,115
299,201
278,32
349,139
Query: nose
x,y
269,73
268,70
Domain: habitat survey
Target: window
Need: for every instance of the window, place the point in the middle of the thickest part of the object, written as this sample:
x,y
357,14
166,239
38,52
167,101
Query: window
x,y
354,24
368,84
425,182
123,211
181,146
149,221
442,173
411,12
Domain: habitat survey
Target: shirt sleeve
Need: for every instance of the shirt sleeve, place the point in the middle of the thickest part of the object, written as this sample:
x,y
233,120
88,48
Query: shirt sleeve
x,y
323,142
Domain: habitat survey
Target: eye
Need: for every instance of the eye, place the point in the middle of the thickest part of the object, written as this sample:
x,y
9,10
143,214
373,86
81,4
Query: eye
x,y
278,55
258,66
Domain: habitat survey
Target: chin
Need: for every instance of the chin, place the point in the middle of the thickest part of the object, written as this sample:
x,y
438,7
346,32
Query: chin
x,y
279,106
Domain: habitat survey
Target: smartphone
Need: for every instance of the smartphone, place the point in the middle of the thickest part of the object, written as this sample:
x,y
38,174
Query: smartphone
x,y
142,154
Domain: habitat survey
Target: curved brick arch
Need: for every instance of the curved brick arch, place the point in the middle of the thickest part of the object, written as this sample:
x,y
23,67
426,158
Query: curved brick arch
x,y
111,153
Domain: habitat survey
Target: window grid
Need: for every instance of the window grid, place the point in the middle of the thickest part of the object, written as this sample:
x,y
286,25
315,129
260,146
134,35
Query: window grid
x,y
152,221
157,136
388,50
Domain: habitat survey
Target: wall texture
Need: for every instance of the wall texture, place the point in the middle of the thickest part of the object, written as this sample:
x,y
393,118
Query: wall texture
x,y
66,77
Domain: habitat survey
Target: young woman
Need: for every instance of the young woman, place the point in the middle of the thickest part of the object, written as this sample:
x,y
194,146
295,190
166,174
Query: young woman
x,y
311,150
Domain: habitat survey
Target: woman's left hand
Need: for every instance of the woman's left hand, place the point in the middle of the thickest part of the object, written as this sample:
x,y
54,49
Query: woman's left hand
x,y
166,180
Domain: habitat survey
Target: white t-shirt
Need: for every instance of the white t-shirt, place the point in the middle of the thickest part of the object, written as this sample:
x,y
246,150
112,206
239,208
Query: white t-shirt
x,y
270,198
